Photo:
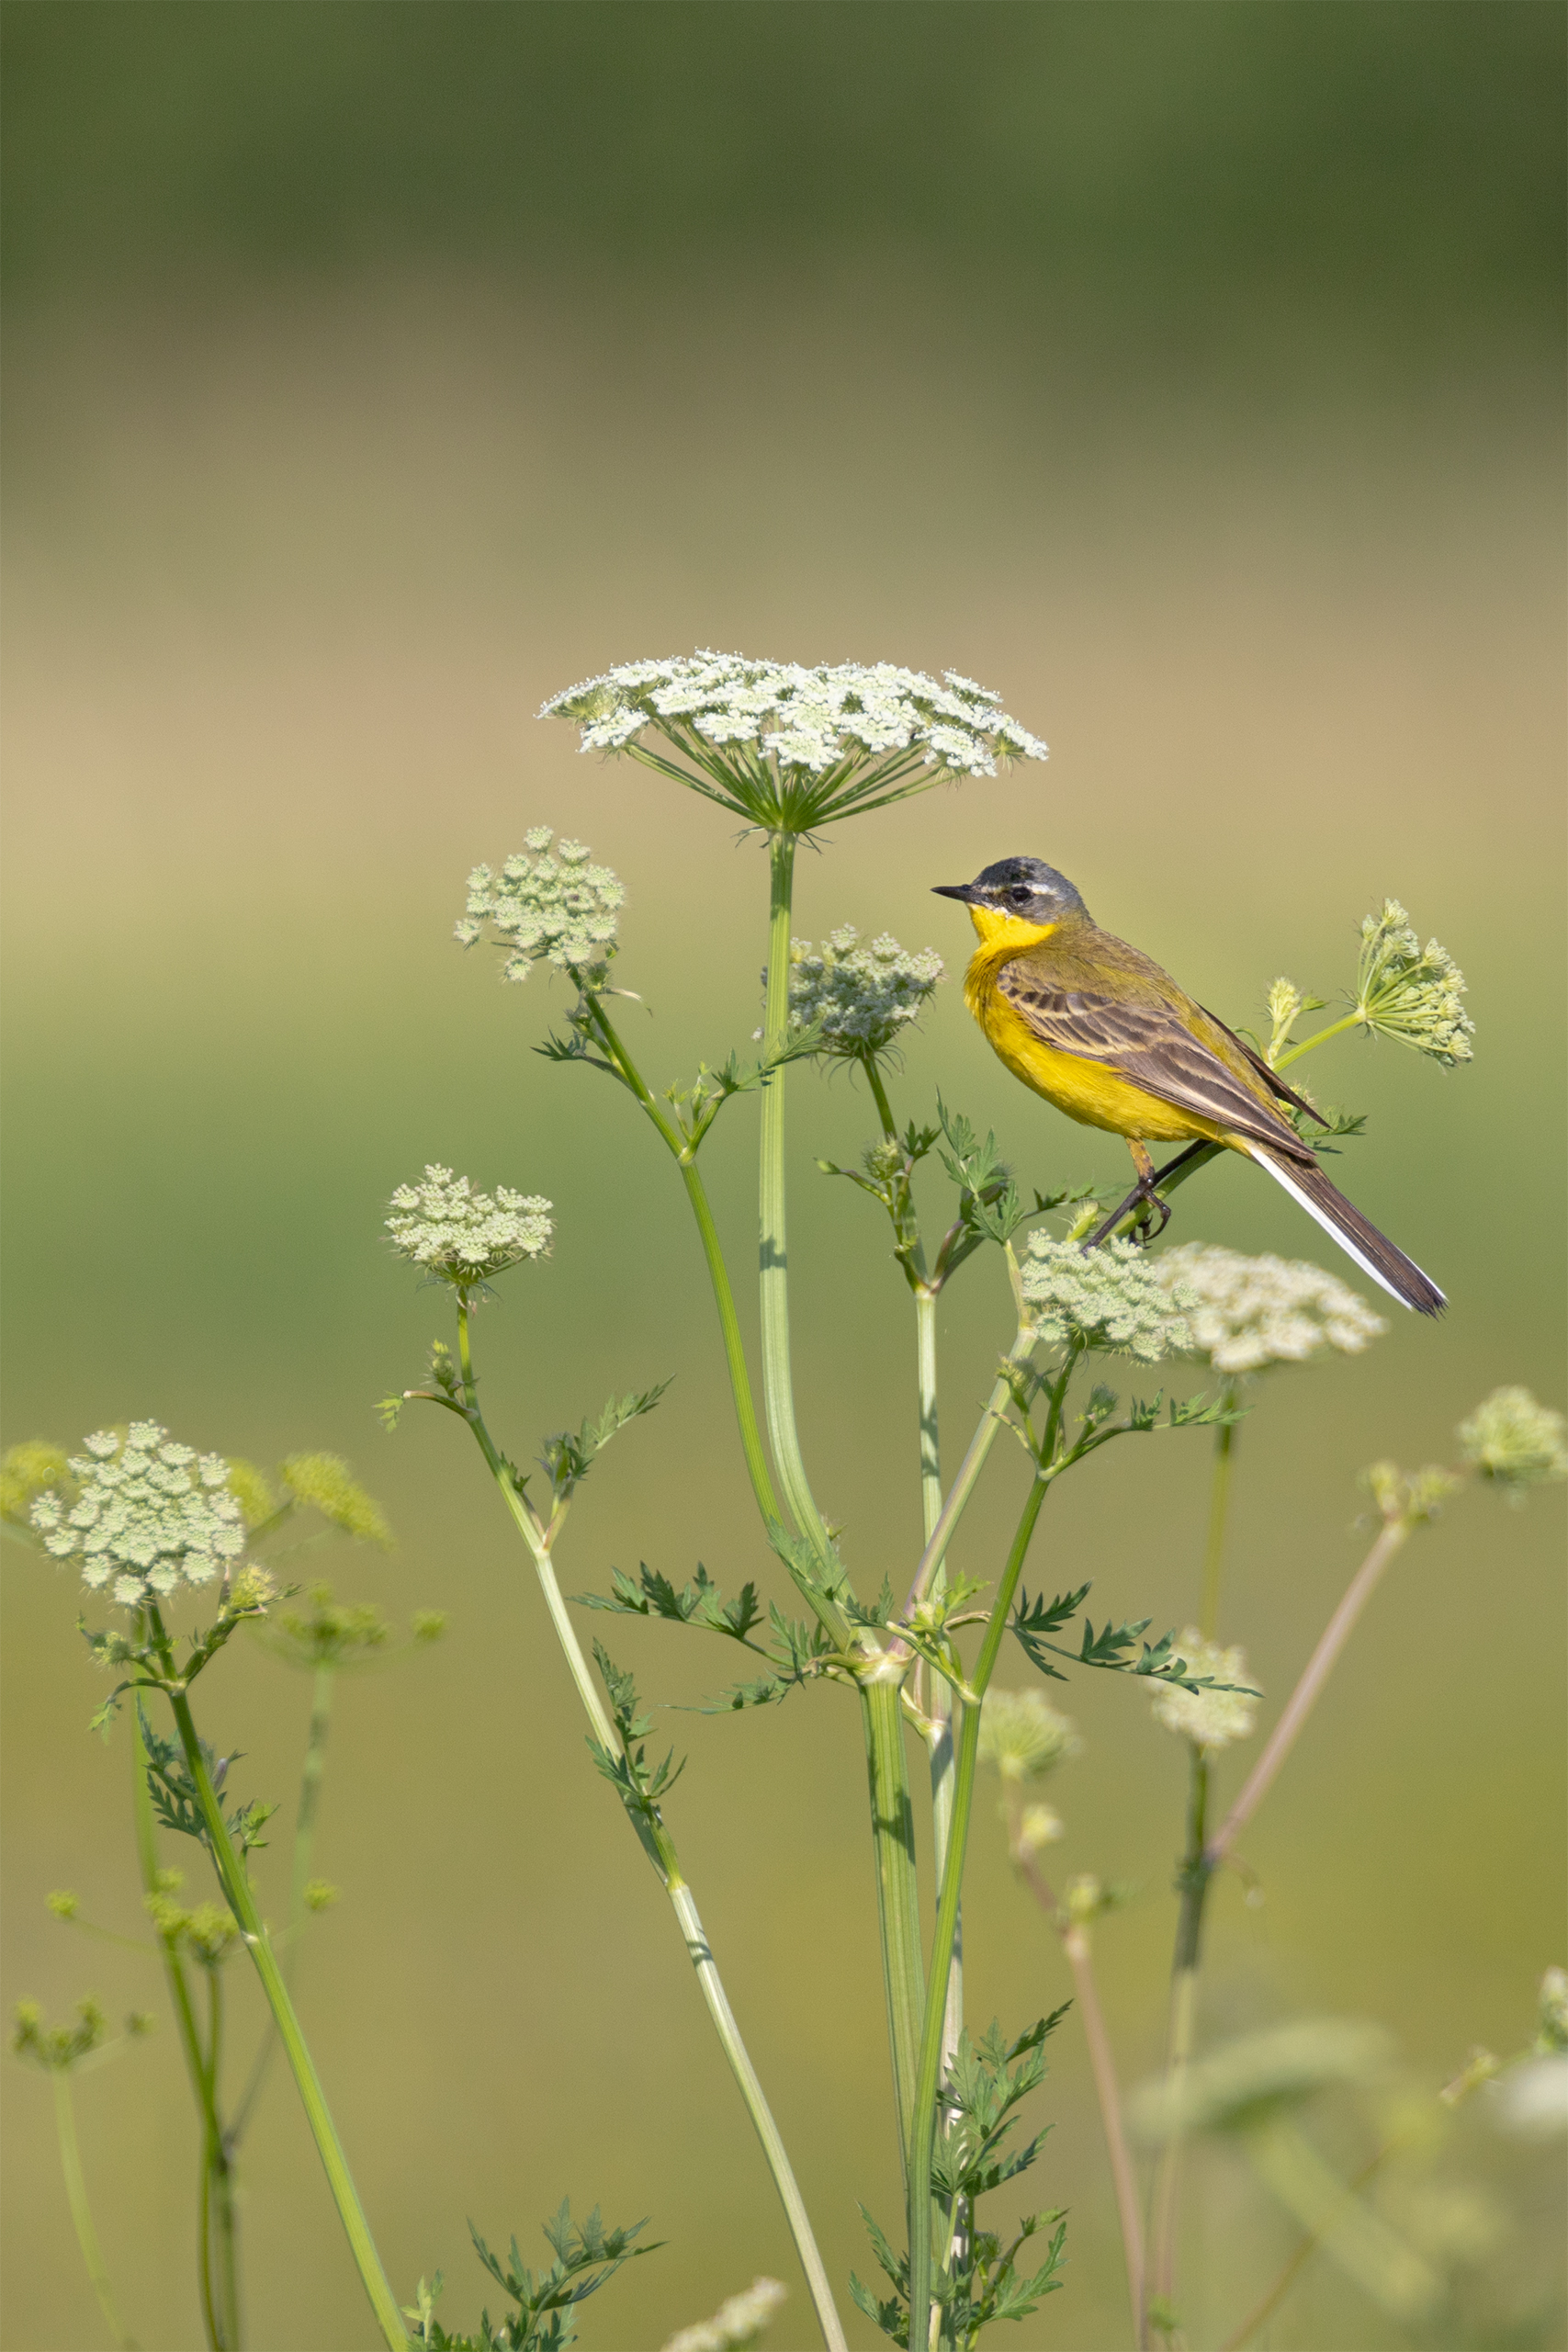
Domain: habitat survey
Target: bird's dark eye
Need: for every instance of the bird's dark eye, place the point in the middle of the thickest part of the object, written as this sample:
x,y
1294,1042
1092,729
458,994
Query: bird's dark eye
x,y
1021,894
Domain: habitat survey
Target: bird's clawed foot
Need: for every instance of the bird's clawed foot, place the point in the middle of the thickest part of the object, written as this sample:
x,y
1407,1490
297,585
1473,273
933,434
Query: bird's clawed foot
x,y
1142,1204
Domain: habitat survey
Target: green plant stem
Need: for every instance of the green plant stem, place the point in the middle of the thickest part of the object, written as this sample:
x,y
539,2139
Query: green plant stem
x,y
242,1902
928,2082
1270,2301
778,1385
1318,1037
1077,1944
1219,1506
1303,1699
1196,1872
1364,2247
81,2212
992,1420
218,2204
659,1847
218,2295
322,1690
943,1763
898,1893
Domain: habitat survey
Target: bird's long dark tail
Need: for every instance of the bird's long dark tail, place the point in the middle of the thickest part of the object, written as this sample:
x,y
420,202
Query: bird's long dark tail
x,y
1372,1250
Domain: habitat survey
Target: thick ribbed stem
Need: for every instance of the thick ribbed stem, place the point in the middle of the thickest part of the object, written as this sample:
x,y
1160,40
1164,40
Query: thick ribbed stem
x,y
778,1385
1219,1507
898,1893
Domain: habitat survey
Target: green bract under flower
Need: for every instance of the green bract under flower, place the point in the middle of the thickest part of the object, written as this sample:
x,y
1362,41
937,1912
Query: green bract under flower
x,y
1515,1441
1210,1719
1410,992
861,996
148,1515
1022,1737
1248,1312
1109,1298
467,1236
789,748
554,907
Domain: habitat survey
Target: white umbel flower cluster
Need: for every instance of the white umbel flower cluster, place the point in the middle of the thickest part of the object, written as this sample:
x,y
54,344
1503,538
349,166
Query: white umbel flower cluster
x,y
863,995
735,2324
1245,1312
1110,1298
149,1516
467,1236
1409,992
802,718
546,907
1210,1719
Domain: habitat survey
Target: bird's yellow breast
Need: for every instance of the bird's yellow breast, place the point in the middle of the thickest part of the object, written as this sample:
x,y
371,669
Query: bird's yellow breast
x,y
1088,1092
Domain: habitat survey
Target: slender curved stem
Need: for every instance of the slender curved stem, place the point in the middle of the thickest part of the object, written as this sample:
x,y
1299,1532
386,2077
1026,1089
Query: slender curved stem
x,y
1275,2295
322,1693
81,2212
1196,1872
222,2295
242,1902
1318,1037
923,2135
992,1420
1219,1507
1303,1698
660,1848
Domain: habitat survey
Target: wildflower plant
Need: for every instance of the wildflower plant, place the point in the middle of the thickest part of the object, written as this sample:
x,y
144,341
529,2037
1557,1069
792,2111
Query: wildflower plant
x,y
826,1615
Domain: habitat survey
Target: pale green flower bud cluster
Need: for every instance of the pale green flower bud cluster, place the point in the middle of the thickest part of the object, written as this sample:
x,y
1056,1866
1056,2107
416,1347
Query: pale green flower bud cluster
x,y
1109,1298
1247,2082
1412,1498
1248,1312
1551,2016
149,1516
737,2323
1210,1719
467,1236
1410,992
1516,1442
814,719
554,907
861,996
1022,1737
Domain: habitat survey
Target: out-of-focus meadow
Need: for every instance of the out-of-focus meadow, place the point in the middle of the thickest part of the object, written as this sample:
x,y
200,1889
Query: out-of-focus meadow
x,y
1187,375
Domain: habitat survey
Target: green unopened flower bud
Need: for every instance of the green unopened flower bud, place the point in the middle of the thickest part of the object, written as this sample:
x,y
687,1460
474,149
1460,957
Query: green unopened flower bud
x,y
1552,2016
1245,1313
319,1895
25,1471
251,1490
428,1624
1514,1442
58,2048
1481,2066
327,1483
560,909
1285,1001
1039,1825
467,1237
250,1591
1022,1737
149,1516
861,996
1210,1719
1247,2081
62,1903
1084,1900
1410,1497
1109,1298
1412,994
140,2023
737,2323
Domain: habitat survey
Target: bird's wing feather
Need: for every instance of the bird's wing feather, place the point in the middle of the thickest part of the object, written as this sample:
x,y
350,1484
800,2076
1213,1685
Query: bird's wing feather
x,y
1271,1079
1149,1045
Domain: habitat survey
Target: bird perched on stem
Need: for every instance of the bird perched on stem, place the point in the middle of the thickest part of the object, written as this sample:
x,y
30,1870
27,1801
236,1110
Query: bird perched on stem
x,y
1097,1029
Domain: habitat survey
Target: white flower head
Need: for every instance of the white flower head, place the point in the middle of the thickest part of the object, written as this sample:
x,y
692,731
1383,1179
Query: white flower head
x,y
1409,992
1514,1442
1245,1312
1110,1298
1022,1737
1210,1719
788,748
1552,2012
149,1516
546,906
862,994
1246,2083
467,1236
737,2323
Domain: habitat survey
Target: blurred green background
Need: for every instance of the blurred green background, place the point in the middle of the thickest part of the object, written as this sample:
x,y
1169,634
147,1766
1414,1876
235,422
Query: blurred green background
x,y
1190,374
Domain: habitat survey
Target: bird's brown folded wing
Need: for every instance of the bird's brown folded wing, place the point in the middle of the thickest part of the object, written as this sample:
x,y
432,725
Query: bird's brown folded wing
x,y
1149,1045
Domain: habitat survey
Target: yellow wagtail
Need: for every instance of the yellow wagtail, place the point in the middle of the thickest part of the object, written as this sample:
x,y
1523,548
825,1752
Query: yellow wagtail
x,y
1102,1032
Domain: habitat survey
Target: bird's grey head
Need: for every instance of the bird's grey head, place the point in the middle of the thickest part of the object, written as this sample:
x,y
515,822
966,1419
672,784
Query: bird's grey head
x,y
1023,886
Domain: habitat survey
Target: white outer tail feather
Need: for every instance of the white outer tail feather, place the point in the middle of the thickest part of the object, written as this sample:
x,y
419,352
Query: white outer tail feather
x,y
1264,1160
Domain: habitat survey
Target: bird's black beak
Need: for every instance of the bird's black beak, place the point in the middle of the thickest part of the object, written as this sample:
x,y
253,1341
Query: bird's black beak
x,y
965,891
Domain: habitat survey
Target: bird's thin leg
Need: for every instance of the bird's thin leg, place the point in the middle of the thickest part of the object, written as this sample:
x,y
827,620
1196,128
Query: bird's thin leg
x,y
1145,1199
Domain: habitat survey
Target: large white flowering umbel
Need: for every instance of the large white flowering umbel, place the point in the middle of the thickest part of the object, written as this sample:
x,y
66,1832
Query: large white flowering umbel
x,y
789,748
149,1516
859,994
1245,1313
463,1236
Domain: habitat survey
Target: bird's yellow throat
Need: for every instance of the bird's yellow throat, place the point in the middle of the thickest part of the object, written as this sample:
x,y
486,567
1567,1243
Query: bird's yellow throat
x,y
1006,934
